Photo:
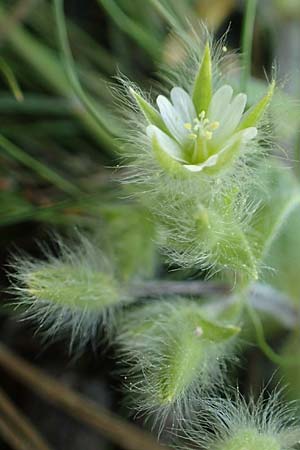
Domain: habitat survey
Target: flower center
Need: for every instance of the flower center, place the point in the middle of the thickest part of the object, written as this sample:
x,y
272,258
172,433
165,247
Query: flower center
x,y
201,131
202,127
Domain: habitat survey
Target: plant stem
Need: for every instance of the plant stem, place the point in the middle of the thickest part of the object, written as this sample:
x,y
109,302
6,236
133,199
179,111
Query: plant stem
x,y
288,361
166,288
247,40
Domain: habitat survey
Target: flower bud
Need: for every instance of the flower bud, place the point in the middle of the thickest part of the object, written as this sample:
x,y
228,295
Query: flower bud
x,y
265,424
171,352
71,294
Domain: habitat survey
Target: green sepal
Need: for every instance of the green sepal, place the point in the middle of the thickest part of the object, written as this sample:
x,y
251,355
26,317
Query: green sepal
x,y
202,91
225,159
166,161
252,117
216,332
152,116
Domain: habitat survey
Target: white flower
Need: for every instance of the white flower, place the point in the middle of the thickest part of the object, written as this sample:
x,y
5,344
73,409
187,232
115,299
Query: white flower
x,y
200,141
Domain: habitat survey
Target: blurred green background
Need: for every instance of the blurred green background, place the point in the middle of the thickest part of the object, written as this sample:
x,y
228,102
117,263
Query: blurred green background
x,y
57,163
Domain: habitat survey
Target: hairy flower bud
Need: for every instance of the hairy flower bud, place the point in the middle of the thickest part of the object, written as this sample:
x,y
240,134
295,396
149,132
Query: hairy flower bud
x,y
71,294
172,351
265,424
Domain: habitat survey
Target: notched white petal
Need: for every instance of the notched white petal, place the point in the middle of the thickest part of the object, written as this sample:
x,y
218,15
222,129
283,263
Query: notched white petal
x,y
219,103
172,119
235,113
183,104
166,143
231,118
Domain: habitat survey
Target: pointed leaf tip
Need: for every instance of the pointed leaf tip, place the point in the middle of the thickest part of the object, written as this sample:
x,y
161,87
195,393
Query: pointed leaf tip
x,y
202,91
218,332
255,113
150,113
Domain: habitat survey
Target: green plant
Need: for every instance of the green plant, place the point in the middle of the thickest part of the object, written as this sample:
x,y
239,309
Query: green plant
x,y
201,191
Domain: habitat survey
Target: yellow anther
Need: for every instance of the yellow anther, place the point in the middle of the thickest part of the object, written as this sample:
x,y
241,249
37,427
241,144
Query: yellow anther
x,y
214,125
202,127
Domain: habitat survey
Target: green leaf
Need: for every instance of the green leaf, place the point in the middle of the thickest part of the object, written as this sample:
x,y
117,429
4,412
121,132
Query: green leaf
x,y
217,332
252,117
48,68
279,198
202,91
41,169
149,112
11,80
283,255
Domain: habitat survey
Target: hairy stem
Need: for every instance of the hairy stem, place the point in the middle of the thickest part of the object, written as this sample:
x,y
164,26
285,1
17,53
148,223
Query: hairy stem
x,y
165,288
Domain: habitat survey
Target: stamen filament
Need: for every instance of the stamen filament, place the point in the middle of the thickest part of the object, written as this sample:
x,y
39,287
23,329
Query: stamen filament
x,y
201,132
